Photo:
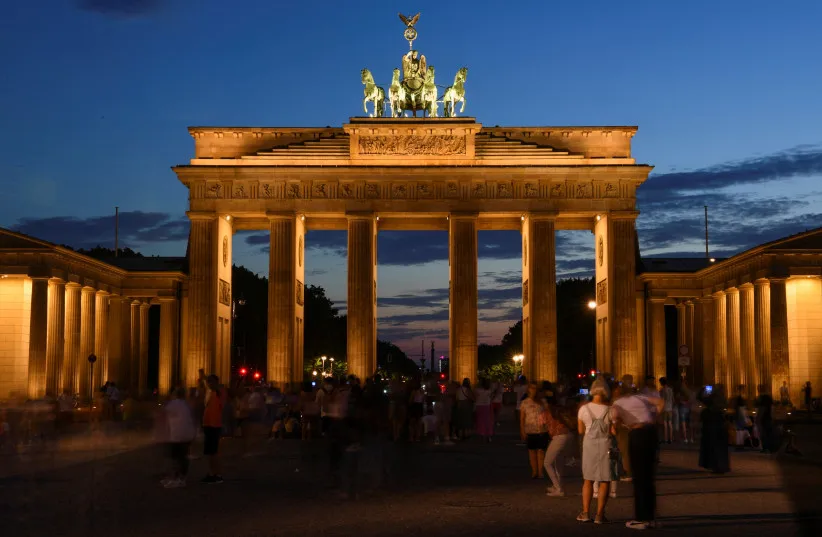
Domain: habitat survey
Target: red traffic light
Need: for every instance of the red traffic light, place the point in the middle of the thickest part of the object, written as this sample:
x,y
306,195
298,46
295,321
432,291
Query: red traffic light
x,y
442,375
256,374
579,375
243,371
593,373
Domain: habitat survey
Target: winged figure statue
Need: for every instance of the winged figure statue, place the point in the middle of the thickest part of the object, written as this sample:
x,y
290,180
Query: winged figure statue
x,y
410,21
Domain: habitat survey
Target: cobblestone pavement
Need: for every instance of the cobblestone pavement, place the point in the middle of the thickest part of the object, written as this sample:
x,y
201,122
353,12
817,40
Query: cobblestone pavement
x,y
281,489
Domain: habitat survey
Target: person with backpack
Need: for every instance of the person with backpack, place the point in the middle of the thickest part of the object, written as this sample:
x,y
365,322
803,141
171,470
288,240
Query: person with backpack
x,y
595,425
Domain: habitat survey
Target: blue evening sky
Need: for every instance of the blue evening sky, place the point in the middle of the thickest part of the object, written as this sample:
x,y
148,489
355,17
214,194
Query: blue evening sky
x,y
97,94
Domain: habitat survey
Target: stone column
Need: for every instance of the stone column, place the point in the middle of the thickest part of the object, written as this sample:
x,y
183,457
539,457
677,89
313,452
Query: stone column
x,y
143,371
87,299
762,330
38,335
539,297
168,345
656,307
697,371
71,353
134,353
55,349
720,341
124,378
708,377
462,255
681,325
285,298
734,375
362,295
615,237
101,335
114,358
780,363
747,339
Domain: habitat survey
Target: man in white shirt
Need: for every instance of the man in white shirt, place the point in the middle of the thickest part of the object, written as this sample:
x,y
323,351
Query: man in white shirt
x,y
638,413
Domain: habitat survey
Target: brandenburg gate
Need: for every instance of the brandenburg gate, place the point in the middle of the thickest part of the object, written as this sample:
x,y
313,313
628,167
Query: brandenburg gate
x,y
411,173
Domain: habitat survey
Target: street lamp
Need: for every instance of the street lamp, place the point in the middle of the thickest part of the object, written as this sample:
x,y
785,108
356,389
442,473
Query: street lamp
x,y
518,358
234,304
592,304
324,358
331,367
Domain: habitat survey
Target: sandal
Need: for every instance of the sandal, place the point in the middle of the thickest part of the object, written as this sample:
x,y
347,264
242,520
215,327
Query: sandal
x,y
583,517
601,520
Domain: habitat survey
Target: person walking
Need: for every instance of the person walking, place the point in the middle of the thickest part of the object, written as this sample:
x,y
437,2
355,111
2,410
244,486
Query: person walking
x,y
713,446
484,416
808,392
215,399
667,395
638,412
181,431
560,440
465,409
594,423
533,432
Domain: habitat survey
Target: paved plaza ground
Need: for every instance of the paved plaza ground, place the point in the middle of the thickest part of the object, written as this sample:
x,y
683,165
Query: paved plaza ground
x,y
108,485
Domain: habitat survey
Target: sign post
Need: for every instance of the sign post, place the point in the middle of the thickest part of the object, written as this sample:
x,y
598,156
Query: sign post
x,y
684,359
91,359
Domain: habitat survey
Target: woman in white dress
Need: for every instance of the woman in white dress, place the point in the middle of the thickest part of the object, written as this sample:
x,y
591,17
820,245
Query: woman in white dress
x,y
595,425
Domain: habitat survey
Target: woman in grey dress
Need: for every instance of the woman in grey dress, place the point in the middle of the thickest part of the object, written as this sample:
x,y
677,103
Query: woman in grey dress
x,y
595,425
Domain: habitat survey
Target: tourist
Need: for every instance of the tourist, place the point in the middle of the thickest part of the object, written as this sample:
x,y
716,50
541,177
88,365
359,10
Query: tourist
x,y
626,389
497,392
560,442
594,422
416,407
742,421
667,395
398,408
484,417
520,389
785,394
430,425
465,409
808,393
638,412
685,402
533,432
713,447
215,401
444,409
309,411
181,431
764,421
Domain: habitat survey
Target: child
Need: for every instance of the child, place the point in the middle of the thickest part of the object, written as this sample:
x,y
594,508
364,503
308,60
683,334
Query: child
x,y
430,425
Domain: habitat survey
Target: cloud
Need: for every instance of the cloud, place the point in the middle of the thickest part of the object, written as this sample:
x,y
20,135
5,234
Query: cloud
x,y
121,8
802,160
421,299
136,228
440,314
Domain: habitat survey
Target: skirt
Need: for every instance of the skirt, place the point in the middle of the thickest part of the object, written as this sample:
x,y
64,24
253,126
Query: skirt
x,y
465,415
484,420
596,464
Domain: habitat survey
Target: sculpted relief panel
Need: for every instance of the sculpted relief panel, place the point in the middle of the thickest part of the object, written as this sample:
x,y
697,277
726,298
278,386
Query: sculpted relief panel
x,y
412,145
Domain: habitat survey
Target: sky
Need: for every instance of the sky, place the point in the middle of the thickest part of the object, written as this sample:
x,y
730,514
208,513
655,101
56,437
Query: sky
x,y
97,95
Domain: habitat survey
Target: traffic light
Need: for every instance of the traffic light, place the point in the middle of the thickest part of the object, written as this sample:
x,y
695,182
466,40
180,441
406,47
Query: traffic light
x,y
243,371
256,375
442,376
593,373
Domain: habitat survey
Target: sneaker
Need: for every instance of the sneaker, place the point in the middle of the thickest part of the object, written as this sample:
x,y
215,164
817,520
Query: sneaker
x,y
583,517
175,484
637,525
601,520
554,492
626,479
613,494
596,494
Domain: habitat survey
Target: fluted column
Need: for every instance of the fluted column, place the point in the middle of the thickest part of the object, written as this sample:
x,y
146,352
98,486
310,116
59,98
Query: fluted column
x,y
656,307
55,347
462,255
168,345
285,298
101,318
135,352
734,378
72,355
720,340
38,335
680,325
539,311
124,377
87,305
708,377
780,363
697,370
762,329
201,332
362,295
747,339
143,372
114,325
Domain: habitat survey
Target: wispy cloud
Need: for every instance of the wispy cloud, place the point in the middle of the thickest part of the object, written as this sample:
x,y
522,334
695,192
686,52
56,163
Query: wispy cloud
x,y
121,8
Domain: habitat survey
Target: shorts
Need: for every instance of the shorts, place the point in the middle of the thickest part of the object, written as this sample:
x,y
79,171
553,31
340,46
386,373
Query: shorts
x,y
211,440
537,441
684,415
667,415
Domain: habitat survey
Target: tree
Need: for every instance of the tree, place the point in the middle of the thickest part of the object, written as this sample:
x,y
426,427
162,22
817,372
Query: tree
x,y
392,361
325,329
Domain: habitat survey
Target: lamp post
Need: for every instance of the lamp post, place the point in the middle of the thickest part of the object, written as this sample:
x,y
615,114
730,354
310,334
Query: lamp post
x,y
91,359
324,358
518,358
331,367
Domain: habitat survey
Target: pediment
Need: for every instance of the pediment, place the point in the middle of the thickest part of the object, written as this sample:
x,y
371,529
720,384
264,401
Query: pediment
x,y
10,240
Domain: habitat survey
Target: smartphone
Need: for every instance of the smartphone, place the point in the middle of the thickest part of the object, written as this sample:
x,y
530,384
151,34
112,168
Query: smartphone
x,y
583,391
709,389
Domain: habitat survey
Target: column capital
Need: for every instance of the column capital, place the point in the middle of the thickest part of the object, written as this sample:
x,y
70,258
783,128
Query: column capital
x,y
762,282
657,299
746,285
705,298
732,291
680,305
73,285
718,294
102,292
777,279
274,216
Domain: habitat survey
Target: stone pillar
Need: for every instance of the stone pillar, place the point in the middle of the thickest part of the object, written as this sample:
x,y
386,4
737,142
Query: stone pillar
x,y
114,360
762,330
71,353
38,335
659,365
209,293
780,363
708,377
462,255
124,378
286,298
101,335
87,304
697,371
747,339
720,341
134,353
142,386
539,297
362,295
734,374
681,325
55,349
168,345
615,237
